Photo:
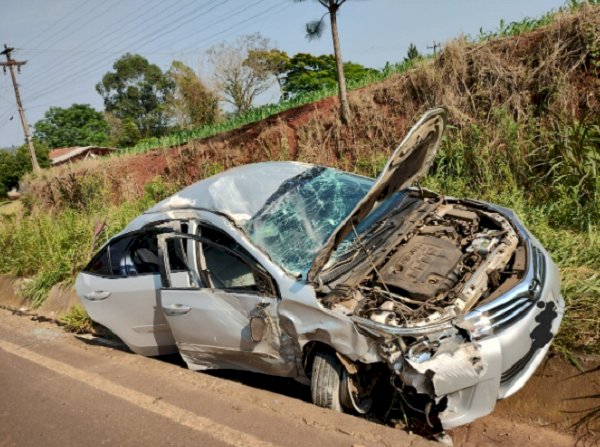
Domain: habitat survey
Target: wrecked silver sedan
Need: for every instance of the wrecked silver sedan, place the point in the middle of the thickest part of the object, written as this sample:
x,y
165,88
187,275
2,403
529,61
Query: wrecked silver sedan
x,y
344,282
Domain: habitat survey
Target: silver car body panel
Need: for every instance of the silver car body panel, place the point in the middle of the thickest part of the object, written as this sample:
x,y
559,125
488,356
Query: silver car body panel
x,y
472,374
471,388
227,193
131,309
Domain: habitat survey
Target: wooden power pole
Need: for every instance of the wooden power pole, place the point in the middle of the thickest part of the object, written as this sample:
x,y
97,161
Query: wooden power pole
x,y
11,63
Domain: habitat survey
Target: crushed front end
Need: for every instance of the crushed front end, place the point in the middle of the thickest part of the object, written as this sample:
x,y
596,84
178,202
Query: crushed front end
x,y
461,299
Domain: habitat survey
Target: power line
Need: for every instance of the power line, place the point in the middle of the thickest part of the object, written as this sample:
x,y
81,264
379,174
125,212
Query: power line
x,y
179,25
4,123
72,31
91,14
211,39
11,112
5,99
68,29
90,67
222,19
54,24
40,78
113,38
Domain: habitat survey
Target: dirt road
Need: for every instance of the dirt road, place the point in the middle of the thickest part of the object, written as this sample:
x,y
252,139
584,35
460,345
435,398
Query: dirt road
x,y
60,389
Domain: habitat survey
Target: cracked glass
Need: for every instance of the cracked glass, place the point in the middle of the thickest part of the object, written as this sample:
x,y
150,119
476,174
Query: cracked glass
x,y
301,215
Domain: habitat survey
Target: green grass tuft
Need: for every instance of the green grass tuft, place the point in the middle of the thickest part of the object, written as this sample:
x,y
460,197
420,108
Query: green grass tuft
x,y
77,320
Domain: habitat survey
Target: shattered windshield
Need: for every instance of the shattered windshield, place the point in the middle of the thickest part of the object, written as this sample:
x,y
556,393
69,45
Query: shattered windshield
x,y
299,217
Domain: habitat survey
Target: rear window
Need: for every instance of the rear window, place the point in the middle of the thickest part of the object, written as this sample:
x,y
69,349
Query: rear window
x,y
127,256
100,264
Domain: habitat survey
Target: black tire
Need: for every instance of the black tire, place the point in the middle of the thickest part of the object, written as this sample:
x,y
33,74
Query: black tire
x,y
326,380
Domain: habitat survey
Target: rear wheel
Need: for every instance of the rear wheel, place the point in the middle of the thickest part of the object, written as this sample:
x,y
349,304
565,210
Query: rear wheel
x,y
326,380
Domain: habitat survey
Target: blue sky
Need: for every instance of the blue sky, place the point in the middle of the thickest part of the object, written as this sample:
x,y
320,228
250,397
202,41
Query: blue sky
x,y
70,44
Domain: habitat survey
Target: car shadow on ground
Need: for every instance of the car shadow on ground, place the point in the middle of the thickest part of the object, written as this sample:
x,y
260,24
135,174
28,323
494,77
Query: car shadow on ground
x,y
279,385
110,343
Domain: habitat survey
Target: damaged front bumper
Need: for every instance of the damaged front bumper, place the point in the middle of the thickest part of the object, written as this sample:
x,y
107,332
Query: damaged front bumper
x,y
465,365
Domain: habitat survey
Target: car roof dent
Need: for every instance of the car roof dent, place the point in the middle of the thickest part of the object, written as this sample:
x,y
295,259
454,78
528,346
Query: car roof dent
x,y
407,165
237,193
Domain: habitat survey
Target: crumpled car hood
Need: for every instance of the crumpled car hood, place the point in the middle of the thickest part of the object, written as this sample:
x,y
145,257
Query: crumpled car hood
x,y
408,164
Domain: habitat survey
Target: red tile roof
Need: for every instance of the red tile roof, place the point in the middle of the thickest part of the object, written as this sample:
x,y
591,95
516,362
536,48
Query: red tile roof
x,y
59,151
67,154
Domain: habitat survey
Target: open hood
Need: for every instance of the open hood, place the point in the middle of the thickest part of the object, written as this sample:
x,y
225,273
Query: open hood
x,y
408,164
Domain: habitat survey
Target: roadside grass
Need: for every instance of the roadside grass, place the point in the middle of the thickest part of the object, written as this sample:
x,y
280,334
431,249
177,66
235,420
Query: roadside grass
x,y
10,207
77,320
505,29
561,210
260,113
51,247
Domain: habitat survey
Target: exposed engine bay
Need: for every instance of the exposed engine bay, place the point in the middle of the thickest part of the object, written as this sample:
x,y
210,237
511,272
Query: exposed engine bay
x,y
450,260
432,261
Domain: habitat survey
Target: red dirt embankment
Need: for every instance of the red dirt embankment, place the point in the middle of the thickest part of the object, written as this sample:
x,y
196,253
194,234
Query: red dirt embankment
x,y
309,133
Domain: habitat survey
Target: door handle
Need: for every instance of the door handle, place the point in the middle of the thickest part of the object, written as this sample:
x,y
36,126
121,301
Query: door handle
x,y
97,295
173,310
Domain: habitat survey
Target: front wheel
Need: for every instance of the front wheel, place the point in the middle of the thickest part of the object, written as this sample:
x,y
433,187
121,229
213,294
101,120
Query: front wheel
x,y
326,380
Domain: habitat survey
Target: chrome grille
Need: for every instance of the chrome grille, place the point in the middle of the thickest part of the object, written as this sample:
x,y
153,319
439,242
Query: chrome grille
x,y
503,312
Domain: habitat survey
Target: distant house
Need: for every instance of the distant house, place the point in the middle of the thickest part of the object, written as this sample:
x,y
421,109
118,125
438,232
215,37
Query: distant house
x,y
64,155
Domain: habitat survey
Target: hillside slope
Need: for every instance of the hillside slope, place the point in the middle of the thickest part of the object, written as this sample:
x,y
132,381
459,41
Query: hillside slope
x,y
546,79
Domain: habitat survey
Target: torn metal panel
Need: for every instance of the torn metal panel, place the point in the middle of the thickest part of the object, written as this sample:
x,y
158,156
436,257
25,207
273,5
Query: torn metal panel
x,y
202,358
304,322
237,193
455,364
473,394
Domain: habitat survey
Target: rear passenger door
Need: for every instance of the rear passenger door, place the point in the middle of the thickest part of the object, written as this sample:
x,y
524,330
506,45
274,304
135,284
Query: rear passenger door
x,y
120,289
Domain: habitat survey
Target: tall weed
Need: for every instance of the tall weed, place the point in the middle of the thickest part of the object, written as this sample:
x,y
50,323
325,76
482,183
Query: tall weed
x,y
50,248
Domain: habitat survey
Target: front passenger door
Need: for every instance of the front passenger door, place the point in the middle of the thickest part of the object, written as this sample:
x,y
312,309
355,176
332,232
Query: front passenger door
x,y
225,314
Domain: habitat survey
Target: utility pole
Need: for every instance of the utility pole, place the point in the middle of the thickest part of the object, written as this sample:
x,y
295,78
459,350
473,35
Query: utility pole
x,y
436,46
11,63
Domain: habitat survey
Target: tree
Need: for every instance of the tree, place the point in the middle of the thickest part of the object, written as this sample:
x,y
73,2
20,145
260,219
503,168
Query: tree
x,y
412,53
9,174
123,132
192,103
235,75
79,125
306,73
137,90
13,165
273,61
314,30
23,157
